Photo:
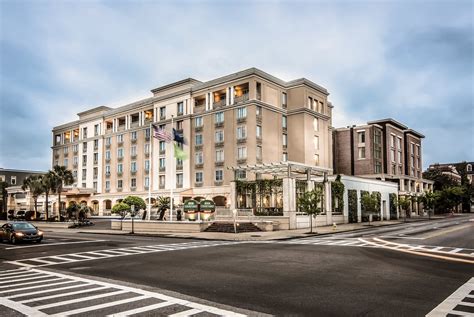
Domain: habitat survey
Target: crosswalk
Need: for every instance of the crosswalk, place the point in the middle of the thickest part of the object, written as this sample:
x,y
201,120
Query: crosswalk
x,y
460,303
54,294
352,242
117,252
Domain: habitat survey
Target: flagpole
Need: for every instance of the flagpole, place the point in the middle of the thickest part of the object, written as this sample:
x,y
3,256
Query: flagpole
x,y
151,171
172,176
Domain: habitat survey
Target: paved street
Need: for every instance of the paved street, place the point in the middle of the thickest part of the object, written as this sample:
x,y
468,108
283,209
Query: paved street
x,y
411,269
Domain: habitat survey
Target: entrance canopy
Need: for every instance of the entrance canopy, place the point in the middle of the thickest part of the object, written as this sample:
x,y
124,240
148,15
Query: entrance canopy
x,y
284,169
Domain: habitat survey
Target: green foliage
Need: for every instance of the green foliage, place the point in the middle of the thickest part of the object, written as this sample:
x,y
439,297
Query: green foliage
x,y
352,205
370,203
4,193
309,201
451,197
337,191
34,185
121,209
138,202
393,206
441,180
404,203
60,176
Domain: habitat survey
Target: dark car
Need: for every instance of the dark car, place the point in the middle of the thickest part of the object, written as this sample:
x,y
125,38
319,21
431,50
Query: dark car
x,y
20,231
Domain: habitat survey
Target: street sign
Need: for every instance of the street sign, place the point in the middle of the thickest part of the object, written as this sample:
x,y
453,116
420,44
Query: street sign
x,y
191,206
207,205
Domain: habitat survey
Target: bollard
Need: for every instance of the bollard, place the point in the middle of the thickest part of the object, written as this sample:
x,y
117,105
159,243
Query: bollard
x,y
334,226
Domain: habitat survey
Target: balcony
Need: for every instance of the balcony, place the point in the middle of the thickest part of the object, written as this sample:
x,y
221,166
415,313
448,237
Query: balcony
x,y
74,164
179,185
179,131
219,163
146,187
119,189
179,167
147,171
133,156
219,144
133,172
107,190
198,129
242,120
241,140
107,160
163,117
219,124
147,154
198,147
56,155
259,140
218,183
120,158
66,154
96,162
242,98
199,165
161,186
108,131
134,140
119,173
121,127
162,152
134,124
107,145
147,138
259,118
242,160
133,188
120,142
95,176
219,104
198,184
107,174
75,151
162,168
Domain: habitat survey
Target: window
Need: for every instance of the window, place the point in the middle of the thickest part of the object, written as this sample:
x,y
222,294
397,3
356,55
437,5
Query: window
x,y
362,152
241,174
321,107
284,122
66,162
84,147
74,160
133,150
179,125
162,146
2,178
198,158
377,136
74,174
310,102
392,155
219,175
119,184
198,121
179,162
285,157
107,155
285,140
119,168
107,185
242,152
162,181
162,113
120,152
96,144
198,138
147,165
259,91
241,132
57,139
399,143
315,105
219,117
378,167
259,152
394,169
119,138
107,169
147,148
198,177
412,161
316,142
241,112
162,162
94,185
84,174
469,167
96,158
412,148
284,99
84,160
316,159
361,136
133,135
147,133
66,150
96,130
108,140
259,131
219,155
13,180
179,180
84,133
219,136
180,108
133,182
75,148
258,111
83,185
400,170
147,181
316,124
133,167
378,152
418,163
400,157
392,141
95,172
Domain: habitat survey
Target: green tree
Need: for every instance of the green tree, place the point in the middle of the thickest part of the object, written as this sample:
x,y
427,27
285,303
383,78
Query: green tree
x,y
138,202
428,199
163,204
61,177
309,203
35,186
121,208
4,193
49,184
441,180
337,193
404,204
371,203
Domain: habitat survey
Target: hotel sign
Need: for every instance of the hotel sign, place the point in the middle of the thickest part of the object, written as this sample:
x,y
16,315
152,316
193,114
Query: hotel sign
x,y
191,205
207,205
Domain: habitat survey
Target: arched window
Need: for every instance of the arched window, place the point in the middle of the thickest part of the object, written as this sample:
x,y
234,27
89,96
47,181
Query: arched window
x,y
469,167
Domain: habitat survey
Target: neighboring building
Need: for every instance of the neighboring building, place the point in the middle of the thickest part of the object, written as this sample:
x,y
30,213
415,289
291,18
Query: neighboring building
x,y
17,198
384,150
452,170
249,117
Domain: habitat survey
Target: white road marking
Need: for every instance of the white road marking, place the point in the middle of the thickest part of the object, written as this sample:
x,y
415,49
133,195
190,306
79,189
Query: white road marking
x,y
141,309
185,313
455,250
45,291
36,299
22,274
21,279
80,299
49,244
37,286
25,310
455,299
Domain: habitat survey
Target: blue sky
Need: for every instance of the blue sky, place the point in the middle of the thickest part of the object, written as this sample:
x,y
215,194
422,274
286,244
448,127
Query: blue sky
x,y
410,60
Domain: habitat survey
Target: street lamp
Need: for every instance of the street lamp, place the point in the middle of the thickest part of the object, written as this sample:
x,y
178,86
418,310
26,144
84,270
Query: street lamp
x,y
132,213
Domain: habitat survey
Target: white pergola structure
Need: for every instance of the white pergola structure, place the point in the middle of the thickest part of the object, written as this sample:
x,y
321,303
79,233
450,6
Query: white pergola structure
x,y
289,172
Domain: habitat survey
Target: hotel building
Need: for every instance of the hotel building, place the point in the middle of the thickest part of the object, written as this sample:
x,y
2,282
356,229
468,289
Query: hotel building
x,y
245,118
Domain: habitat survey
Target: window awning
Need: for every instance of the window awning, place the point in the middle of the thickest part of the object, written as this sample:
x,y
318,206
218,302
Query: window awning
x,y
284,169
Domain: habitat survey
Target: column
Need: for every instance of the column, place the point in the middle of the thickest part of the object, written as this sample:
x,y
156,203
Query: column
x,y
232,94
359,207
328,202
289,200
211,100
207,101
233,196
310,187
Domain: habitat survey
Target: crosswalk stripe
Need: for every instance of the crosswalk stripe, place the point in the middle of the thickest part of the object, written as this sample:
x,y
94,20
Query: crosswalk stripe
x,y
189,312
37,276
46,291
63,258
100,306
81,299
141,309
23,275
37,286
25,310
36,299
32,283
455,250
23,271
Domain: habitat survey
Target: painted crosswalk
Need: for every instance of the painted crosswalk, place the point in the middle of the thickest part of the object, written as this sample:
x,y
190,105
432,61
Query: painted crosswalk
x,y
353,242
110,253
460,303
65,295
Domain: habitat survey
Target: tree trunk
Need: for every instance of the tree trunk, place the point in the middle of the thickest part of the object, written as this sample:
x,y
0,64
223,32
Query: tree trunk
x,y
46,202
311,223
35,200
59,202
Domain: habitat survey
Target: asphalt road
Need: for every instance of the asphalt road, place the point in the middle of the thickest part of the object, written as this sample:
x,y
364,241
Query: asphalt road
x,y
345,274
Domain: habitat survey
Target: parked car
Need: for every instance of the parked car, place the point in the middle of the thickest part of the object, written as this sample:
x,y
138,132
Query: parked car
x,y
20,231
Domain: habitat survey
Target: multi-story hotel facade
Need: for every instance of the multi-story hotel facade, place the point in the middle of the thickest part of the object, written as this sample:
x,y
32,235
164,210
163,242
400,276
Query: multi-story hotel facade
x,y
245,118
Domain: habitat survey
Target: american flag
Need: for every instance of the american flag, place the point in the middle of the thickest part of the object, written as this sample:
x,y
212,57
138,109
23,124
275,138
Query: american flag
x,y
161,134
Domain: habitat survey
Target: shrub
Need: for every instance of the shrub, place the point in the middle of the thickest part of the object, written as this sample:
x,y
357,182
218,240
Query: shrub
x,y
138,202
352,205
121,208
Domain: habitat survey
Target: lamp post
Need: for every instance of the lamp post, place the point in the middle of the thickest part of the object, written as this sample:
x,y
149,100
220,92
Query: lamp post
x,y
132,213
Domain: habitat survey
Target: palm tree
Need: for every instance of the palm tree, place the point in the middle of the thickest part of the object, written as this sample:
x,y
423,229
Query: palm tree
x,y
62,177
49,183
34,184
4,193
163,204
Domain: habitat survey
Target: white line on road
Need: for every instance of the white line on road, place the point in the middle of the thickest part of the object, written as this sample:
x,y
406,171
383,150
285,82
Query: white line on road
x,y
49,244
455,250
448,305
27,311
46,291
186,313
141,309
81,299
36,299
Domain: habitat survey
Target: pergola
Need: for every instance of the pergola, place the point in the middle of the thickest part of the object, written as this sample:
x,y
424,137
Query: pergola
x,y
289,172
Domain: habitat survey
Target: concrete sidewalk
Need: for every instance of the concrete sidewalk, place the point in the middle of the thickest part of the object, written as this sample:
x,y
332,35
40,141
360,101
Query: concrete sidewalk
x,y
258,236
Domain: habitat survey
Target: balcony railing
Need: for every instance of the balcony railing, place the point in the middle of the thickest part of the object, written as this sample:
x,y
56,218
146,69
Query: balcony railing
x,y
134,124
219,124
179,167
107,175
147,154
241,120
119,173
218,104
218,183
241,160
198,184
133,156
198,147
108,131
120,158
162,169
199,165
107,145
134,140
162,152
179,185
107,160
198,129
133,172
219,163
219,144
121,127
147,170
161,186
163,117
242,98
241,140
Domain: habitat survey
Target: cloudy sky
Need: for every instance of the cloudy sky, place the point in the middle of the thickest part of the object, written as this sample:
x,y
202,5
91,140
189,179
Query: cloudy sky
x,y
410,60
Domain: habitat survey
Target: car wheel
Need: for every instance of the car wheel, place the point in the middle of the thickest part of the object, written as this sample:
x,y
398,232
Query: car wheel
x,y
13,240
39,240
